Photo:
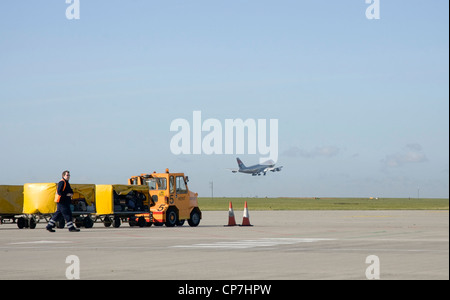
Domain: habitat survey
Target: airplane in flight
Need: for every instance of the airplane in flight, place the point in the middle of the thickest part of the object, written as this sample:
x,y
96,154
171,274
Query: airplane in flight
x,y
257,169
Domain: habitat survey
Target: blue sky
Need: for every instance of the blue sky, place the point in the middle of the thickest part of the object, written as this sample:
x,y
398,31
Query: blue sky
x,y
362,104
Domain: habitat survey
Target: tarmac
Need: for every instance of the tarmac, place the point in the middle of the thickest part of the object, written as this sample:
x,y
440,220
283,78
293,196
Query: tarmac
x,y
281,245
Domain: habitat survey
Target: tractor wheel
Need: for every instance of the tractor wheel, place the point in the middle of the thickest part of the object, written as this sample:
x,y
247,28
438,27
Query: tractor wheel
x,y
171,218
195,218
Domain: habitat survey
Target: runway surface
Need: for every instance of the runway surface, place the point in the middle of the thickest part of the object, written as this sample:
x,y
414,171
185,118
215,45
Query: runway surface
x,y
280,245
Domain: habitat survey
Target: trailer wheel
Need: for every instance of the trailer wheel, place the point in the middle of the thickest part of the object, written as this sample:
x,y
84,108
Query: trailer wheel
x,y
78,222
61,223
116,222
87,222
21,222
195,218
141,222
132,221
32,223
107,221
180,222
171,217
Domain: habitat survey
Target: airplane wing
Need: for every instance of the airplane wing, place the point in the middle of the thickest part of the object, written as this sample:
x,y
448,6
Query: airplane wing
x,y
233,170
274,169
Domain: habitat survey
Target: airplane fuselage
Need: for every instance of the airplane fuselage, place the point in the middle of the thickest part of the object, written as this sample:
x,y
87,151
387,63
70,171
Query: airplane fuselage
x,y
255,170
258,169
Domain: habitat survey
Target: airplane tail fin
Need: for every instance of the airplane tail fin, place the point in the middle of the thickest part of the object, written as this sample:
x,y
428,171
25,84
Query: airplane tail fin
x,y
240,163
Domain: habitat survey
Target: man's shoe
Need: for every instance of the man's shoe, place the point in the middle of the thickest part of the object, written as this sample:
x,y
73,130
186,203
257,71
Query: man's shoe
x,y
73,229
50,229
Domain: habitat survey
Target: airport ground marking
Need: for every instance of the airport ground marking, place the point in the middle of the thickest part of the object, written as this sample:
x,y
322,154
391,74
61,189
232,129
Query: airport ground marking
x,y
254,243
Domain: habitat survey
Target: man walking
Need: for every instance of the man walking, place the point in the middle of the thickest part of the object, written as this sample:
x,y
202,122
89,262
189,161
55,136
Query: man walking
x,y
63,198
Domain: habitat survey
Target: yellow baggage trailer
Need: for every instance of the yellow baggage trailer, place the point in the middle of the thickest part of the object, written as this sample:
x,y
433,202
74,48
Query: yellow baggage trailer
x,y
11,202
39,202
117,203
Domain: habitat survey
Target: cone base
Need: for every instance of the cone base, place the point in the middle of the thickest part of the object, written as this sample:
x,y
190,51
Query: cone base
x,y
230,225
246,222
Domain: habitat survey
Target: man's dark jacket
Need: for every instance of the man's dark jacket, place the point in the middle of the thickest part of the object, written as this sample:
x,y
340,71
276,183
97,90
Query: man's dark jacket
x,y
68,190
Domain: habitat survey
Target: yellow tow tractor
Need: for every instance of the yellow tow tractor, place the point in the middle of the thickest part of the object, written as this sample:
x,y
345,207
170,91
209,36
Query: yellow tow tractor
x,y
174,203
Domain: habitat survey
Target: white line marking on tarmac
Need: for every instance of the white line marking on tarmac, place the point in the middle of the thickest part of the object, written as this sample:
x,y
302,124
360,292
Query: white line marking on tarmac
x,y
40,242
245,244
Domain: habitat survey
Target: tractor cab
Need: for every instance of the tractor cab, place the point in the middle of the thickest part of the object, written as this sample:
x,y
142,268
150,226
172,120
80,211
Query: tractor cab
x,y
174,202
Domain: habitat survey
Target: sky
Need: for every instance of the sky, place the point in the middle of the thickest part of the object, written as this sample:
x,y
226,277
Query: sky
x,y
362,104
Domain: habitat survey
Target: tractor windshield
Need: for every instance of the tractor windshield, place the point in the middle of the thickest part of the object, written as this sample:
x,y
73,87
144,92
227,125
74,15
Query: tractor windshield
x,y
157,183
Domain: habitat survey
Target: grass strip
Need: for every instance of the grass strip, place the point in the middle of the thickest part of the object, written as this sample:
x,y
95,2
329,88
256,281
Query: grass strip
x,y
208,204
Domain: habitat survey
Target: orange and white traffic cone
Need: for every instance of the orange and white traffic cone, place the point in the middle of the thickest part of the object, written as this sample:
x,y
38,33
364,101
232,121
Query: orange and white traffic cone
x,y
246,219
231,219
